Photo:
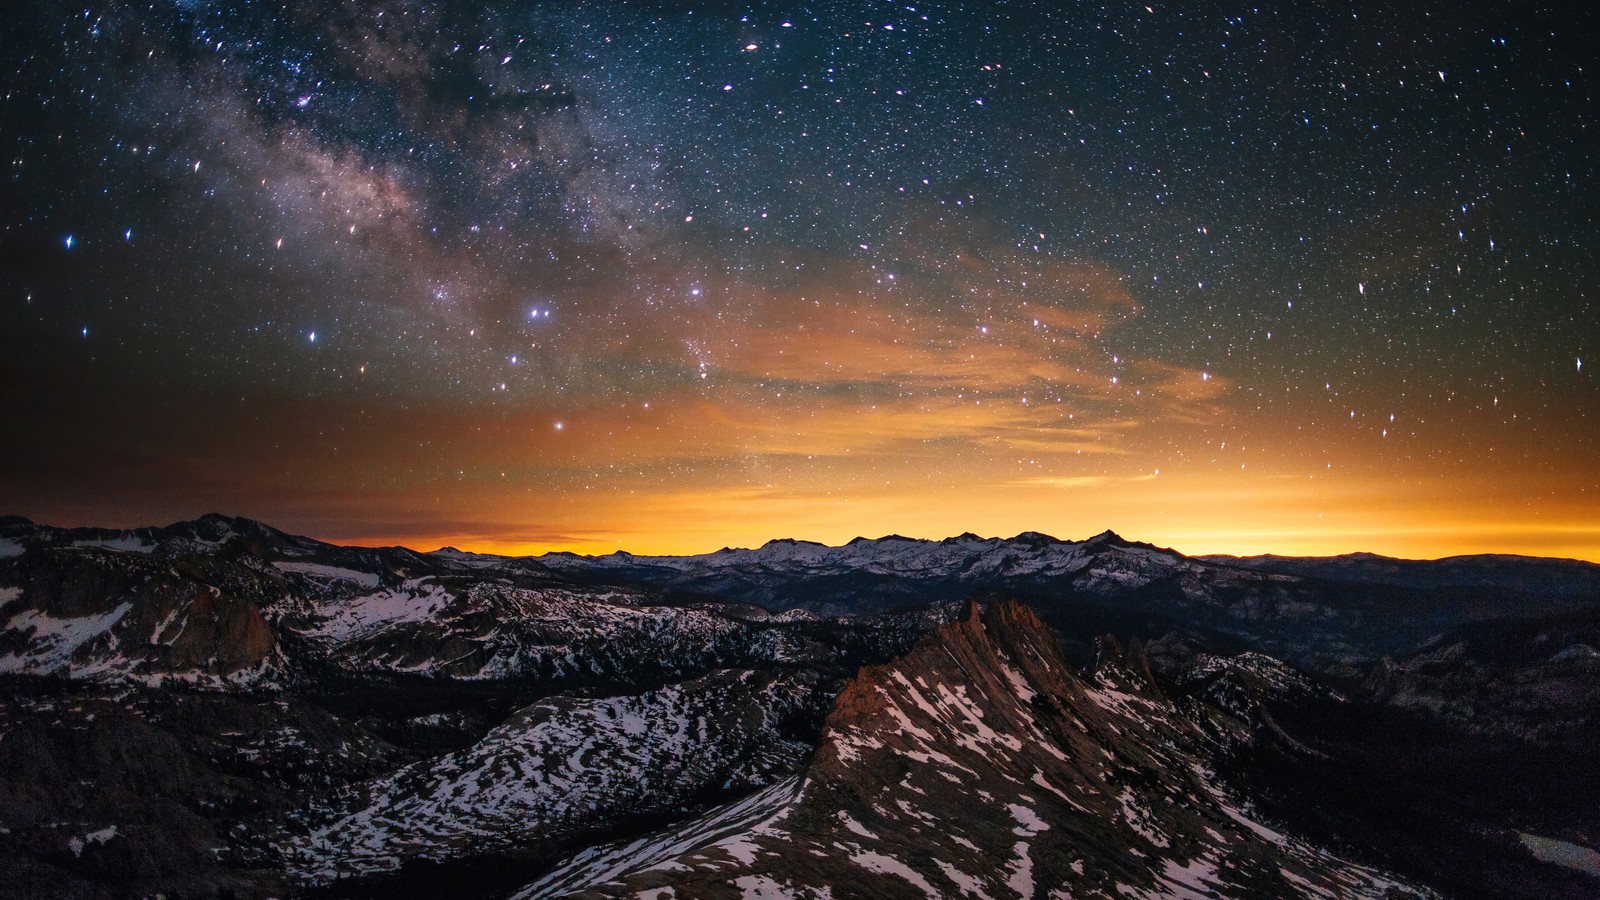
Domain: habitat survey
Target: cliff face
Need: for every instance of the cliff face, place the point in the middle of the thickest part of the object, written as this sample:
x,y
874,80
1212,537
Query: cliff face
x,y
981,765
99,613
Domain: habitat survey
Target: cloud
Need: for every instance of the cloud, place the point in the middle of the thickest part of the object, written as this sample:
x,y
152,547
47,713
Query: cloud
x,y
431,534
1073,482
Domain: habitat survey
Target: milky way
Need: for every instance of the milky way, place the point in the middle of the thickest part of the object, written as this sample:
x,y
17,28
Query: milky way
x,y
1296,277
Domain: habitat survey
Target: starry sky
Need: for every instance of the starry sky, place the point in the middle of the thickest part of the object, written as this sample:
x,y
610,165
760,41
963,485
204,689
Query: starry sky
x,y
1301,278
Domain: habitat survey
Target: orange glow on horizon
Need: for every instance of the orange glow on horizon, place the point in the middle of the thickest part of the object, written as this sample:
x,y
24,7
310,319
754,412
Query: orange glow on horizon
x,y
827,407
1193,514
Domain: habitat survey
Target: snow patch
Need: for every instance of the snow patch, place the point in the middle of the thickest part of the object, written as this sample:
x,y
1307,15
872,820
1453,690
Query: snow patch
x,y
1561,853
332,573
78,844
966,884
1195,881
1260,830
855,826
888,865
55,640
1018,684
1020,876
1028,821
413,601
127,544
760,887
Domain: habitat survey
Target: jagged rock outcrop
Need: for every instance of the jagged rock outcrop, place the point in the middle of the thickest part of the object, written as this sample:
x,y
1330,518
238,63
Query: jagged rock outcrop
x,y
981,765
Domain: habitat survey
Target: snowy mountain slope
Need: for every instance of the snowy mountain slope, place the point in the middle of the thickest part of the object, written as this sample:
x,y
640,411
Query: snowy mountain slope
x,y
967,560
233,602
608,863
566,766
979,765
95,612
219,703
1314,617
229,599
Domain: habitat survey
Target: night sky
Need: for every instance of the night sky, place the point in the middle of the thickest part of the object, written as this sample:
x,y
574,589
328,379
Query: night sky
x,y
1297,277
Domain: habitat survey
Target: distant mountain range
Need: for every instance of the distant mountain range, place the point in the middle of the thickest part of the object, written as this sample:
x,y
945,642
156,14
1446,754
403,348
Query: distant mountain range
x,y
217,708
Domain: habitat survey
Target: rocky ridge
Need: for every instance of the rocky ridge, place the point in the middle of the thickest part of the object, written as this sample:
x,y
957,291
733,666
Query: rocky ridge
x,y
981,765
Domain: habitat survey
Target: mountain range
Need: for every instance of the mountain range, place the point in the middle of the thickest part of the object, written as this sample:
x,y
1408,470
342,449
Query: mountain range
x,y
218,709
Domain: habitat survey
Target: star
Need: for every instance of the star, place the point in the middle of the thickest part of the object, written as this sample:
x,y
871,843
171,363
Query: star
x,y
943,239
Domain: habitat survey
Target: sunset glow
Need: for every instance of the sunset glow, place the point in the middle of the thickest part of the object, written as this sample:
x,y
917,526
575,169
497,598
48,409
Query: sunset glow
x,y
675,282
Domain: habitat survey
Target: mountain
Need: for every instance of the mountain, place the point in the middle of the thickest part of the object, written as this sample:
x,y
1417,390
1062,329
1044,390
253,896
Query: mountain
x,y
1549,578
980,765
1338,613
232,602
231,599
564,768
1536,678
218,708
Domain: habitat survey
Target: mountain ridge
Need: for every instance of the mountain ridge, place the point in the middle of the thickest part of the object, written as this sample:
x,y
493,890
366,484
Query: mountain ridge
x,y
387,599
358,721
224,526
981,744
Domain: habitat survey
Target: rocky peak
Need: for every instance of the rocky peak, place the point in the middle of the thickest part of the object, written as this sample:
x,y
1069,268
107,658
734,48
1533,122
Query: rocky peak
x,y
218,530
979,764
1130,661
1104,538
1034,540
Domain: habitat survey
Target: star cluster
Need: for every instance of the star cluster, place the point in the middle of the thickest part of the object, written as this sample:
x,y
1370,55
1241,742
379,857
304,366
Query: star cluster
x,y
1291,277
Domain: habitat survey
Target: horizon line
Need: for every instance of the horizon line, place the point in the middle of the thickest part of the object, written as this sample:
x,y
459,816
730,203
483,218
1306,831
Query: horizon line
x,y
511,547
